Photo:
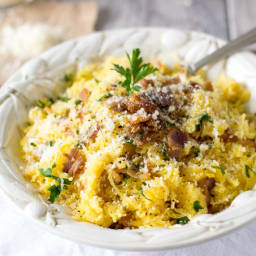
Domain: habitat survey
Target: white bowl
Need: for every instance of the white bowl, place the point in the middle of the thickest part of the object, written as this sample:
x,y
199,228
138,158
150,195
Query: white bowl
x,y
42,77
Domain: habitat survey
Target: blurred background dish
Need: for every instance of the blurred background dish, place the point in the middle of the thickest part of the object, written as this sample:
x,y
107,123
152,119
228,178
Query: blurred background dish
x,y
28,30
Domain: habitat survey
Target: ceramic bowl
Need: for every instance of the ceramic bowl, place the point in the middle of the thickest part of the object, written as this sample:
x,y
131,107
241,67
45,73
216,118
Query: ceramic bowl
x,y
43,76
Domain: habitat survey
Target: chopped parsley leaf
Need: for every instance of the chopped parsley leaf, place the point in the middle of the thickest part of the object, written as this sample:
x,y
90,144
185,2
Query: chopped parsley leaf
x,y
135,73
64,98
140,136
46,172
142,193
78,102
105,96
182,220
248,169
144,183
96,80
77,132
33,144
79,145
68,77
164,152
196,153
129,141
204,117
125,178
41,104
221,168
197,206
51,143
55,190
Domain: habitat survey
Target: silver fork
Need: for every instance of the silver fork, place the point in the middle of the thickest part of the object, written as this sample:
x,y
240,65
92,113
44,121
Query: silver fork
x,y
225,51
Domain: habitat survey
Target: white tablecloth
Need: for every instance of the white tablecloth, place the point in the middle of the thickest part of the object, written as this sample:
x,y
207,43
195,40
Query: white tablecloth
x,y
20,237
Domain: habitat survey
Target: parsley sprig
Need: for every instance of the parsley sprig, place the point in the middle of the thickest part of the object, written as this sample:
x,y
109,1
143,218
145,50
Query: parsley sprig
x,y
135,73
55,190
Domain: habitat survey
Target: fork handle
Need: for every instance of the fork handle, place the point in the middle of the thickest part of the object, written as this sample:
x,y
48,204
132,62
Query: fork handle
x,y
225,51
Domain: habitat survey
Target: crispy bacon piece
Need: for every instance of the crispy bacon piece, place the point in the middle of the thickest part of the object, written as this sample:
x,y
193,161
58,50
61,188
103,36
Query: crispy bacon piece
x,y
207,184
174,80
122,222
94,132
145,83
118,106
208,86
84,94
74,163
136,102
176,140
227,137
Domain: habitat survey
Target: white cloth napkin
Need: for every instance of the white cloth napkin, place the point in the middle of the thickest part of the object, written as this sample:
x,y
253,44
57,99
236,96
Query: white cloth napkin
x,y
20,237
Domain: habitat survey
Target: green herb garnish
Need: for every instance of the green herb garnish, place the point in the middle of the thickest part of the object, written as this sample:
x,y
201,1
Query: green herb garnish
x,y
41,104
51,100
105,96
182,220
78,102
142,193
96,80
196,153
204,117
140,136
248,169
68,77
135,73
129,141
221,168
125,178
79,145
164,152
64,98
33,144
55,190
51,143
77,132
197,206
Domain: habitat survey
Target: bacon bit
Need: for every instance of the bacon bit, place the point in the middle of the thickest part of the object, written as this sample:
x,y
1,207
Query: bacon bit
x,y
208,86
248,143
139,119
136,102
94,132
207,184
174,80
48,110
195,85
118,106
84,94
74,163
227,137
176,140
122,222
80,115
68,131
144,83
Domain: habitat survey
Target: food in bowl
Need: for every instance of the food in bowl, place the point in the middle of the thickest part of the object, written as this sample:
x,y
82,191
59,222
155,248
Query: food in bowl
x,y
131,145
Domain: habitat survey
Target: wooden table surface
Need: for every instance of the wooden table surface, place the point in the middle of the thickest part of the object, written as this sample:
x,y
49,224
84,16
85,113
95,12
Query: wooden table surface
x,y
223,18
